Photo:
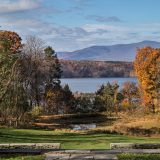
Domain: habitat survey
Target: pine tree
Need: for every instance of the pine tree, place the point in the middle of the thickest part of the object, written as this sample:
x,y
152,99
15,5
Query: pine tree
x,y
54,66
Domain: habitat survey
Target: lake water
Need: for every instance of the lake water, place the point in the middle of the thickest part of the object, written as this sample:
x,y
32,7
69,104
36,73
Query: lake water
x,y
89,85
83,126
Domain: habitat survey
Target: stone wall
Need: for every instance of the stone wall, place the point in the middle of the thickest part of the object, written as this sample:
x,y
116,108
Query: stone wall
x,y
28,147
135,145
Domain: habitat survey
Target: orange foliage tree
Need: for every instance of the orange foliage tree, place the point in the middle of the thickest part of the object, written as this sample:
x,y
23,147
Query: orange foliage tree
x,y
10,41
147,68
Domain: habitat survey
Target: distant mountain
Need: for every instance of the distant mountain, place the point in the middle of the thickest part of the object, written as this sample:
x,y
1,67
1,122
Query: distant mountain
x,y
119,52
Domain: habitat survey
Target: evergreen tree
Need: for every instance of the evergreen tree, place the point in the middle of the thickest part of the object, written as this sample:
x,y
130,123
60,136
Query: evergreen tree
x,y
68,99
54,66
106,96
53,90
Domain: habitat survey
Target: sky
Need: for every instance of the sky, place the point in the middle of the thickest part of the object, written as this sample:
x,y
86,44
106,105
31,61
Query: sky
x,y
69,25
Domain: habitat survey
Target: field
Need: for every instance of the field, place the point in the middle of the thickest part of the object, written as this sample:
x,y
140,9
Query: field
x,y
56,129
79,140
109,130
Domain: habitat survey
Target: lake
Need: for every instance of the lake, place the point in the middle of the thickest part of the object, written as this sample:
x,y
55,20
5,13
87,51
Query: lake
x,y
90,85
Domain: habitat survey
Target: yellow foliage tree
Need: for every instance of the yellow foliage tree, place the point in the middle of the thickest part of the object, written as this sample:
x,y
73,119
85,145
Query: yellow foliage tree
x,y
147,68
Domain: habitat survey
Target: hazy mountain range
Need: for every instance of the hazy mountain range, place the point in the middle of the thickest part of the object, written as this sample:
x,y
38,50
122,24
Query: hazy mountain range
x,y
118,52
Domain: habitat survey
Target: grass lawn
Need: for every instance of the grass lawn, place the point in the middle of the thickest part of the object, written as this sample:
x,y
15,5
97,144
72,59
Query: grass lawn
x,y
139,157
68,140
21,157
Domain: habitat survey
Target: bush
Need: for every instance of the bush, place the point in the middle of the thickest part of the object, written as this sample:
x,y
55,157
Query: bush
x,y
36,111
139,157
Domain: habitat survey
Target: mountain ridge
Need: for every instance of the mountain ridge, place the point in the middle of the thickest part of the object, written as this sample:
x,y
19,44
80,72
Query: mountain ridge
x,y
116,52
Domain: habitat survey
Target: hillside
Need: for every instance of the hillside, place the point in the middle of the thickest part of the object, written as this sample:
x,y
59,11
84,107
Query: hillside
x,y
119,52
79,69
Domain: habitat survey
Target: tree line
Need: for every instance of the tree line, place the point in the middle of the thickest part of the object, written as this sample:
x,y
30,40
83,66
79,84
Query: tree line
x,y
30,84
94,69
29,78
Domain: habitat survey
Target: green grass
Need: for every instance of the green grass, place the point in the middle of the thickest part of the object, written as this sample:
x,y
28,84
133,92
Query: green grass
x,y
21,157
68,140
139,157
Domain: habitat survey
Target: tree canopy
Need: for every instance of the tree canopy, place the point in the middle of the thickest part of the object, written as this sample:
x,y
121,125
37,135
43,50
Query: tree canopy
x,y
147,67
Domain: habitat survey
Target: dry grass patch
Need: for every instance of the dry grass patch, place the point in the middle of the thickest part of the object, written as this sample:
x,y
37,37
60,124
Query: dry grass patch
x,y
144,125
134,124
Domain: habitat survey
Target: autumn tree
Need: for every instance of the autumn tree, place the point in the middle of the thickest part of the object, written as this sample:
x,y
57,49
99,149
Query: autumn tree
x,y
147,68
10,44
42,72
131,95
53,99
13,101
29,77
130,91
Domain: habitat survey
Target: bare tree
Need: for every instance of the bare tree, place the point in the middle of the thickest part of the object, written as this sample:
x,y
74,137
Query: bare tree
x,y
33,60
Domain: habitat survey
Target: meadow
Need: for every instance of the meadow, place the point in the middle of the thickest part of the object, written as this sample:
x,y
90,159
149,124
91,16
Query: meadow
x,y
78,140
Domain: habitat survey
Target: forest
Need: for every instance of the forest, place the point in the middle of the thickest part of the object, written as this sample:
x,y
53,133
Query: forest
x,y
96,69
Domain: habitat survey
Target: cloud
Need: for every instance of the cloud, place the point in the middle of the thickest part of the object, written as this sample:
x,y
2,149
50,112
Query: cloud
x,y
12,6
64,38
78,6
104,19
73,38
28,17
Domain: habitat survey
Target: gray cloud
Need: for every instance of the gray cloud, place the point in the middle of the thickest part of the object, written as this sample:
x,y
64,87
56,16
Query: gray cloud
x,y
155,33
12,6
103,18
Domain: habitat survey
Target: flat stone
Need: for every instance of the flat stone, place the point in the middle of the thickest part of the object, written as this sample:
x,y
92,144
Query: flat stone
x,y
135,145
107,151
121,145
4,146
81,157
149,151
53,156
57,156
22,146
47,146
94,154
119,151
147,146
57,151
105,157
33,146
78,151
28,151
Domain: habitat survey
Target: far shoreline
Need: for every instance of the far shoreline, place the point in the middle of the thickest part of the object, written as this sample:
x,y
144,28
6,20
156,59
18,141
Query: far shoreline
x,y
90,85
